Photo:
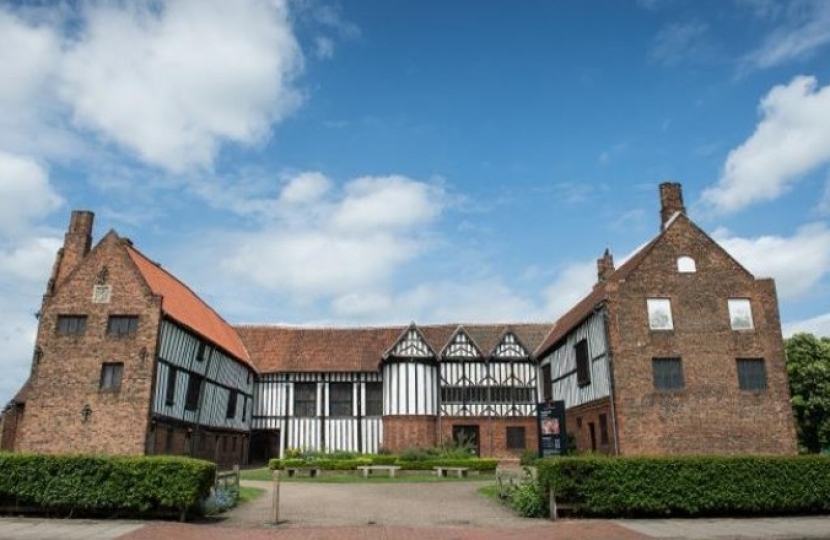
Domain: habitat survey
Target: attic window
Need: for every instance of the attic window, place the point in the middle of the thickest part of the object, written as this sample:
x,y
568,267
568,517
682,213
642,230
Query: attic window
x,y
659,314
101,294
686,265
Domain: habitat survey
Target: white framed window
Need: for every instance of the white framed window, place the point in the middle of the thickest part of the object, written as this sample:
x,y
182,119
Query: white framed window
x,y
686,265
740,314
101,294
659,314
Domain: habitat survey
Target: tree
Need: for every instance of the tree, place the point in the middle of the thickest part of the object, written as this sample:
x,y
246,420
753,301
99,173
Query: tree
x,y
808,368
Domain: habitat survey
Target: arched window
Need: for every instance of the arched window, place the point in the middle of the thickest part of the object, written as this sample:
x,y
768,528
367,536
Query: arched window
x,y
686,265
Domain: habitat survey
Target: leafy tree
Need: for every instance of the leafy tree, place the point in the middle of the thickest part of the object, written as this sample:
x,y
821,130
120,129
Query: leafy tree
x,y
808,368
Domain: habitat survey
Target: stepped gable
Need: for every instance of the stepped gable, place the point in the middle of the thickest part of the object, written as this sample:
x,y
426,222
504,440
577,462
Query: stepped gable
x,y
185,307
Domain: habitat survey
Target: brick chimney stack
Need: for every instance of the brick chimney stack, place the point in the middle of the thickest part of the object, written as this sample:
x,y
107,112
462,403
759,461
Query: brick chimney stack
x,y
605,266
76,245
671,202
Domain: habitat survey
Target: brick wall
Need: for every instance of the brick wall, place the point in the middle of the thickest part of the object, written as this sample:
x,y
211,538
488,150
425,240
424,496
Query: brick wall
x,y
493,434
226,449
67,377
402,432
579,422
710,414
9,423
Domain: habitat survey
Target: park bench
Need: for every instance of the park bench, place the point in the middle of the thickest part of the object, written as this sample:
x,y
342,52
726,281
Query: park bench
x,y
391,469
313,472
444,471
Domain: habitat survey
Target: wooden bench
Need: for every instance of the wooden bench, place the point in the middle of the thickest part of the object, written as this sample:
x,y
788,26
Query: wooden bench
x,y
444,471
391,469
313,472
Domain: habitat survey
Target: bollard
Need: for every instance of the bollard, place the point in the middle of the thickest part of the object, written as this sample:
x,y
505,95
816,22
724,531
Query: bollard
x,y
275,501
554,514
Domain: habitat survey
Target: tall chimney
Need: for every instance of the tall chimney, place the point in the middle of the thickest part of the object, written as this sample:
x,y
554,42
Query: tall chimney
x,y
671,202
76,245
605,266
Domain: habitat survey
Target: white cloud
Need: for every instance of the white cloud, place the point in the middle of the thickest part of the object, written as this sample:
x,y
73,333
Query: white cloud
x,y
322,243
818,325
169,81
792,139
678,41
573,282
324,47
25,193
806,29
797,262
29,261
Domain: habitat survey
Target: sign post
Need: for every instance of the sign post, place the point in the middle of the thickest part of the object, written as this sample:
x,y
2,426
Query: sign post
x,y
550,423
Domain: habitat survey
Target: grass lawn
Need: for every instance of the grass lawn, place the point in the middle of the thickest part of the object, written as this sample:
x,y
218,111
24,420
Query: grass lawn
x,y
247,494
352,477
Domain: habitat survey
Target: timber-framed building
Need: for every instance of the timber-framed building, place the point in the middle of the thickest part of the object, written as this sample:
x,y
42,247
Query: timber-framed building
x,y
679,350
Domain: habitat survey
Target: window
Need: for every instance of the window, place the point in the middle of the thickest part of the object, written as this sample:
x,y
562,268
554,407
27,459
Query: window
x,y
111,376
200,351
516,438
752,374
547,383
244,408
340,399
659,314
122,325
668,373
194,390
686,265
168,443
374,399
583,363
170,393
71,325
603,429
230,411
101,294
740,314
305,399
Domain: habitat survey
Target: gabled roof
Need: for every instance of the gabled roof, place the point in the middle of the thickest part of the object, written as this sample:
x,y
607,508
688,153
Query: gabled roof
x,y
296,349
184,306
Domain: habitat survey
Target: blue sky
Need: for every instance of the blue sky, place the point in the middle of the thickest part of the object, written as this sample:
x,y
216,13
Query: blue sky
x,y
377,162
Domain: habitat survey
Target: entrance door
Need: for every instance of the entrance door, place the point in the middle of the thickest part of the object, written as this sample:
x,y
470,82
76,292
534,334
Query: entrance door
x,y
265,444
467,436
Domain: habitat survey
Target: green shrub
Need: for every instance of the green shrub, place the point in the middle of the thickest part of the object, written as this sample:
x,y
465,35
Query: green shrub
x,y
528,500
689,486
284,463
105,485
529,458
474,464
383,459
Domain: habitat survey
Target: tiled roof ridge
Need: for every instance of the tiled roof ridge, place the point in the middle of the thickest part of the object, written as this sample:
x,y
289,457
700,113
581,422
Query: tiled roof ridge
x,y
300,326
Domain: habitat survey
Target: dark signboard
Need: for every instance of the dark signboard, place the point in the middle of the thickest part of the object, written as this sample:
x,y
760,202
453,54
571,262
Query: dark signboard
x,y
550,421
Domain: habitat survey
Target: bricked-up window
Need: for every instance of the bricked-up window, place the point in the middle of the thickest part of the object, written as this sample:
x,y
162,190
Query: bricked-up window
x,y
740,314
194,390
583,363
71,325
230,411
659,314
122,325
170,391
603,429
305,399
374,399
340,399
168,442
547,383
111,373
516,438
668,373
752,374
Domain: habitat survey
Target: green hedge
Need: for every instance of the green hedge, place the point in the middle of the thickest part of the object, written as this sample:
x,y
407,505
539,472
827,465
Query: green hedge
x,y
104,485
474,464
689,486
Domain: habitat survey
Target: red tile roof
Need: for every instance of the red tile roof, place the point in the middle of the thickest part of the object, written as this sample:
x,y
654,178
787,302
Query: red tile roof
x,y
296,349
184,306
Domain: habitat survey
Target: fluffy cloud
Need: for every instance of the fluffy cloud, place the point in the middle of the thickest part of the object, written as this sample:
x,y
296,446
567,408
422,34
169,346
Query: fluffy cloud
x,y
792,139
797,262
573,282
25,193
170,82
819,326
322,242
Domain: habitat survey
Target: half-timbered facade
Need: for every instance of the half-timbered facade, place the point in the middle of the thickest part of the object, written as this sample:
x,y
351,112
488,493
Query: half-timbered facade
x,y
679,350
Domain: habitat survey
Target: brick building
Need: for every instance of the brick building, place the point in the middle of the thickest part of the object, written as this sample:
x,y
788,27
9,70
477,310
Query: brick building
x,y
679,350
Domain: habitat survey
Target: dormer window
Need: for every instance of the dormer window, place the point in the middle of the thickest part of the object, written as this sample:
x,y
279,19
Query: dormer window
x,y
686,265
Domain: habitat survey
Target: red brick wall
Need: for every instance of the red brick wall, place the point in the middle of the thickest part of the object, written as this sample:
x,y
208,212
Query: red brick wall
x,y
578,421
67,377
402,432
211,445
9,426
710,414
493,434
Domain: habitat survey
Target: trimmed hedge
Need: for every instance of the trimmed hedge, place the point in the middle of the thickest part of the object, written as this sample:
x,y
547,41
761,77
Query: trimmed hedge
x,y
688,486
104,485
474,464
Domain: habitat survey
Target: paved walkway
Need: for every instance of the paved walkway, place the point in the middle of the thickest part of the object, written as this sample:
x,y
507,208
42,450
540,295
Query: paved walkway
x,y
451,511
